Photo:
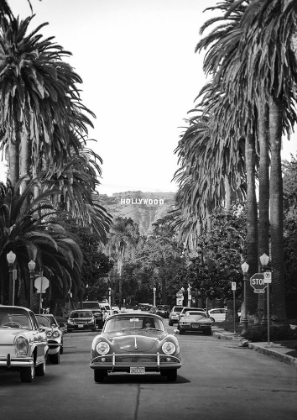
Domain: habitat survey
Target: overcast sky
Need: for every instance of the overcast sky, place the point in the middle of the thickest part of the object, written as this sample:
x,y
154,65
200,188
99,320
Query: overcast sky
x,y
140,77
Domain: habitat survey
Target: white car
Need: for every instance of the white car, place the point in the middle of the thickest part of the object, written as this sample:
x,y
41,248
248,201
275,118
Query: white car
x,y
217,314
54,335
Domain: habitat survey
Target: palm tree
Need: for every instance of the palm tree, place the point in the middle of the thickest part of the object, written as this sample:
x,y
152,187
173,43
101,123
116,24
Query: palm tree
x,y
31,234
38,97
122,242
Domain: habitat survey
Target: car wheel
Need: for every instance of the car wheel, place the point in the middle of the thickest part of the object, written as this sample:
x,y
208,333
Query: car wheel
x,y
69,330
62,348
40,370
170,323
54,358
171,375
27,374
99,375
207,332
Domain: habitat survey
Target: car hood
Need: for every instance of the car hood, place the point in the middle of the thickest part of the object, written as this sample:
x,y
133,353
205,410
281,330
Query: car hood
x,y
7,335
140,342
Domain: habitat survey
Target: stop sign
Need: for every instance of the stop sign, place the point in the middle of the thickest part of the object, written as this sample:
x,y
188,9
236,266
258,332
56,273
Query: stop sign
x,y
257,282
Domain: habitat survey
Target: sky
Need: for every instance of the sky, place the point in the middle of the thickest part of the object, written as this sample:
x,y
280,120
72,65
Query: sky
x,y
140,77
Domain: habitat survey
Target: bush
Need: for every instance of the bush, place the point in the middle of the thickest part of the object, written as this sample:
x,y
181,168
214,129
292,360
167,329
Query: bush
x,y
258,333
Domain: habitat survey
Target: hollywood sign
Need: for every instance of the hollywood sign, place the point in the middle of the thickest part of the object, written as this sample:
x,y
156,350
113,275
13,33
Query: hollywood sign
x,y
150,201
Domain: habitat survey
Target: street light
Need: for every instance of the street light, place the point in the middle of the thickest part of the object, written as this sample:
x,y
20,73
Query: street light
x,y
11,259
154,291
109,296
244,321
31,265
264,260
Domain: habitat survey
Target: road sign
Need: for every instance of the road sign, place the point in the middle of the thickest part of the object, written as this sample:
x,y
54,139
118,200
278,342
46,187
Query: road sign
x,y
267,277
257,282
233,285
179,301
41,284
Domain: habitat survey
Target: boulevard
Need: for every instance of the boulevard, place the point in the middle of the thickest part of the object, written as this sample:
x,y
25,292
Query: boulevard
x,y
218,380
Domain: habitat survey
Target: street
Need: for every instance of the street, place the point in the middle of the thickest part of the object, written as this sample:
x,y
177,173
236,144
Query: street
x,y
218,380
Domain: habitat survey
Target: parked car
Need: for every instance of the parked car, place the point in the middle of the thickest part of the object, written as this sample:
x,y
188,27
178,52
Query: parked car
x,y
217,314
194,321
174,314
23,345
163,311
54,336
135,343
81,319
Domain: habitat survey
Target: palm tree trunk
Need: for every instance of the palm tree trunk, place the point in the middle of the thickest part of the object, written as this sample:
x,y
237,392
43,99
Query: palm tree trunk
x,y
252,222
263,136
13,160
276,211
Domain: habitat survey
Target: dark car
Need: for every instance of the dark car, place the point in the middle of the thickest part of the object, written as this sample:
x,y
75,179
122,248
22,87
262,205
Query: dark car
x,y
163,311
81,319
136,343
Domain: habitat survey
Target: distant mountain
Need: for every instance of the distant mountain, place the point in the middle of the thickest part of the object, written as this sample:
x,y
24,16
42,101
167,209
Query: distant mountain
x,y
144,208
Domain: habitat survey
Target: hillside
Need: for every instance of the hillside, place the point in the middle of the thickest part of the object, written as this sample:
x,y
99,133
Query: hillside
x,y
143,207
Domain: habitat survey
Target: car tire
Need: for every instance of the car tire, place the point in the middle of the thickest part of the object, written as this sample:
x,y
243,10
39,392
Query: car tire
x,y
99,375
207,332
40,369
171,375
27,374
69,330
62,348
170,323
54,358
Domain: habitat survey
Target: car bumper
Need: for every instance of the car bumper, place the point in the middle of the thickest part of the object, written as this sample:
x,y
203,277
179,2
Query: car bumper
x,y
194,328
80,327
11,362
120,362
54,346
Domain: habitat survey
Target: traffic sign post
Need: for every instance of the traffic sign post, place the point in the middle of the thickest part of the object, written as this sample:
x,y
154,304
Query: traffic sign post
x,y
268,280
233,287
257,282
41,284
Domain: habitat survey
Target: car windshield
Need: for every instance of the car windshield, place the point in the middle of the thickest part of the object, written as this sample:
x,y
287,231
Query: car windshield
x,y
15,318
46,321
82,314
178,309
90,305
133,322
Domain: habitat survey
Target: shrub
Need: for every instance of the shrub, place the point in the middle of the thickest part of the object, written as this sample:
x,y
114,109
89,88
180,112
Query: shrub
x,y
257,333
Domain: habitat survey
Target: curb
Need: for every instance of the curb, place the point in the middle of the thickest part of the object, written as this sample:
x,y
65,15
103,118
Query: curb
x,y
269,351
264,349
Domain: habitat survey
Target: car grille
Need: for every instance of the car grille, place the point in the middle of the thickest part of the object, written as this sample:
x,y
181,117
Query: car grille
x,y
136,359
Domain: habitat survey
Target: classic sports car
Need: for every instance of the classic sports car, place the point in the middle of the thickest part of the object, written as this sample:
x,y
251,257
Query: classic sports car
x,y
135,343
23,345
54,336
194,321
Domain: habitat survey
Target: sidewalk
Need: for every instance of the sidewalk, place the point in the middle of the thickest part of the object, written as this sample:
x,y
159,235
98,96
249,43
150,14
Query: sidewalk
x,y
284,351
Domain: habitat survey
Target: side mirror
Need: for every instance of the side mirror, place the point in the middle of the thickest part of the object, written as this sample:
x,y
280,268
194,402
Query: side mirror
x,y
182,315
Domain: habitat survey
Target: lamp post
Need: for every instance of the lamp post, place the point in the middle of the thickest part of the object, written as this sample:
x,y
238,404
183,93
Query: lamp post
x,y
154,292
31,265
264,260
109,296
189,296
11,259
244,321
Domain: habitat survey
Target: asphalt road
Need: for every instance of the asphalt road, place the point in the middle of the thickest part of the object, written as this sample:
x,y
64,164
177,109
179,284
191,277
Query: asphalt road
x,y
218,380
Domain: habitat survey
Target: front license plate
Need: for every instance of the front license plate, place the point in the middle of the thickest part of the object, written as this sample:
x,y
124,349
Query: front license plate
x,y
80,326
137,370
195,326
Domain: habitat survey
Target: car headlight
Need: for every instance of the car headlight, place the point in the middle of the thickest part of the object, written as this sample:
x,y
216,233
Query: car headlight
x,y
21,346
168,347
70,321
48,333
56,334
102,348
